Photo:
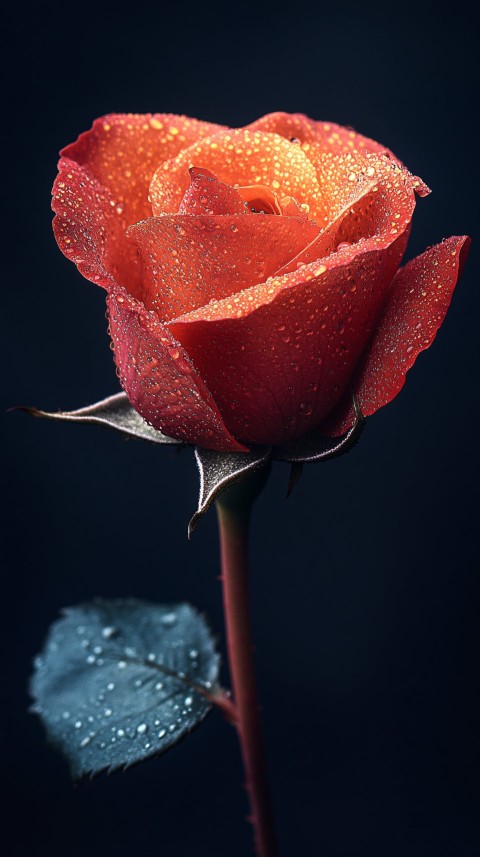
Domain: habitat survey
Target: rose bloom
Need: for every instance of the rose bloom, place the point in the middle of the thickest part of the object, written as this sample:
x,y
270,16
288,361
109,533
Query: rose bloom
x,y
252,275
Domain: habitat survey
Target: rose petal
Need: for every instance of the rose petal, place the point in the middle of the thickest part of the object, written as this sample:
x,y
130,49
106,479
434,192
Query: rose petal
x,y
188,261
239,157
277,357
363,196
418,300
90,229
159,379
122,151
208,195
332,137
342,178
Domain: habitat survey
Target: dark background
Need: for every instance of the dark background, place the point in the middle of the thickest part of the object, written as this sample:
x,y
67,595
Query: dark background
x,y
363,583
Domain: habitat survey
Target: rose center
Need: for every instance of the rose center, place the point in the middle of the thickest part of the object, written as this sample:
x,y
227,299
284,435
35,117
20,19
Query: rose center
x,y
259,199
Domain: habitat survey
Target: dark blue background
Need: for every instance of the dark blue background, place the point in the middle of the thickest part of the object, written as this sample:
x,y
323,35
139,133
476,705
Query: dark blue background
x,y
363,583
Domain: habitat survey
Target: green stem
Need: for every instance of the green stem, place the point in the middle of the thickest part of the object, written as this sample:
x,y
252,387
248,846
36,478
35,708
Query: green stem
x,y
233,510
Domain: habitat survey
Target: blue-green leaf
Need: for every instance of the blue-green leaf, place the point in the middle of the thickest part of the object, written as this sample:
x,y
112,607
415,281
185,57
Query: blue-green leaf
x,y
119,681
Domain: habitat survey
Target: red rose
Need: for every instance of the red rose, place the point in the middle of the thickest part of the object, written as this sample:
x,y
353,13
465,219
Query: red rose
x,y
252,275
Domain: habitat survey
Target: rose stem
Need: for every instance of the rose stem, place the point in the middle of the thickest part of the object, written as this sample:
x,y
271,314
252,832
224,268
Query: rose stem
x,y
233,510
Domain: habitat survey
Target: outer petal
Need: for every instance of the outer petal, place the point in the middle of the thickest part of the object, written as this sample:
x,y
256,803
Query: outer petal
x,y
90,229
159,378
239,157
277,357
190,260
419,298
332,137
122,151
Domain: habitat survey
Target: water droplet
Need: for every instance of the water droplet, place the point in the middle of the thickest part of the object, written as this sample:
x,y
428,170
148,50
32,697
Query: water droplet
x,y
188,700
110,685
91,659
169,619
97,650
85,741
142,728
108,631
78,724
162,733
108,712
121,665
121,733
193,654
159,685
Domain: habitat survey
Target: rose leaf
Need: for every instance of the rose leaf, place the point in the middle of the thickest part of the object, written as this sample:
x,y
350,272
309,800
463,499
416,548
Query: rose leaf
x,y
219,470
121,680
115,412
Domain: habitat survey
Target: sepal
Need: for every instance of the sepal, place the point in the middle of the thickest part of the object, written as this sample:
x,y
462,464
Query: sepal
x,y
115,412
217,470
220,470
315,447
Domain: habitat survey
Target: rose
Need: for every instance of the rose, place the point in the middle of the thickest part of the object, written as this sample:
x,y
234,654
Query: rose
x,y
252,275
